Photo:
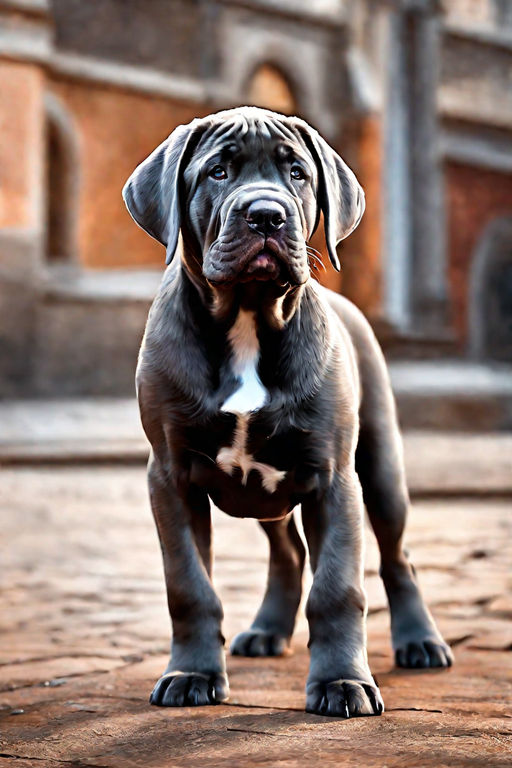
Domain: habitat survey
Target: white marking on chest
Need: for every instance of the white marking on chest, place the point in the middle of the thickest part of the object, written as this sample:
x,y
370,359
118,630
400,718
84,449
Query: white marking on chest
x,y
250,397
245,350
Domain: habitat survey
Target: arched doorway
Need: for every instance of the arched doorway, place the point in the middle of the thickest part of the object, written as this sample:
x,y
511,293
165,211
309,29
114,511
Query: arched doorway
x,y
61,183
269,88
490,317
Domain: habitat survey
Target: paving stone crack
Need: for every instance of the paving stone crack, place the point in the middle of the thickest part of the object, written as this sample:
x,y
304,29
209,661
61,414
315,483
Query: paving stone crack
x,y
262,733
41,684
453,642
72,675
414,709
76,763
492,648
57,656
299,709
262,706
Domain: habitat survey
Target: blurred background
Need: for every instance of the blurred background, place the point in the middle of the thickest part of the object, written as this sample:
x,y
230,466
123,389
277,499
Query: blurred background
x,y
416,95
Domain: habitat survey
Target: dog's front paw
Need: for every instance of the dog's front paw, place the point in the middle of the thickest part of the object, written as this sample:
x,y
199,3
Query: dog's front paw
x,y
189,689
259,642
344,698
422,654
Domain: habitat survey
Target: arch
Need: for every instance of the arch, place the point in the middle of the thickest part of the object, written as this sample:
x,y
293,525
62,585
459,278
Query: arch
x,y
268,86
490,295
503,13
62,163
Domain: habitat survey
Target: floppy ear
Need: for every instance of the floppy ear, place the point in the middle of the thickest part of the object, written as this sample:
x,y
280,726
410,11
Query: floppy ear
x,y
340,196
152,193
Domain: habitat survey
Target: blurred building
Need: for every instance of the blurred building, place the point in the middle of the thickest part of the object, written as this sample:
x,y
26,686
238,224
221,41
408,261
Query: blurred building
x,y
415,94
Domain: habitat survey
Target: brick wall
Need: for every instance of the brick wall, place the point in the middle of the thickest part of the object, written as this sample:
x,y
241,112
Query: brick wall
x,y
116,130
474,198
21,145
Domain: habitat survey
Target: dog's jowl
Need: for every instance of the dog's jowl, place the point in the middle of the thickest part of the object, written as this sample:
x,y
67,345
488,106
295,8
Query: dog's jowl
x,y
261,391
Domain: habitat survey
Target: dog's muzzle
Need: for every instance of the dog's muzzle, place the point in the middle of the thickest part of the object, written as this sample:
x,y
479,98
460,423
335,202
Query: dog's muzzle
x,y
260,238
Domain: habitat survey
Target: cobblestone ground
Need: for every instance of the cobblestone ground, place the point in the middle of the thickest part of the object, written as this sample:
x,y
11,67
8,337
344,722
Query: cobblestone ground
x,y
85,634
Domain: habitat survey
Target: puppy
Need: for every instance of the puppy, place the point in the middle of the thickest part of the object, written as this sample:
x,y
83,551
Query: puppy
x,y
260,391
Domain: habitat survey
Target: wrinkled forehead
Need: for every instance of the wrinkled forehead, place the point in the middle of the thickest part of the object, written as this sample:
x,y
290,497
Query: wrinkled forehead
x,y
249,128
246,137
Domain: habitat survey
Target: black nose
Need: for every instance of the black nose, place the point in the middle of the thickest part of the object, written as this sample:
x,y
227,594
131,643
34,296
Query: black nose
x,y
265,216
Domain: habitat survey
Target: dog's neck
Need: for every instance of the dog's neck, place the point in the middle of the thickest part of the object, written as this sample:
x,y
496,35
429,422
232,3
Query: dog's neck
x,y
208,341
275,304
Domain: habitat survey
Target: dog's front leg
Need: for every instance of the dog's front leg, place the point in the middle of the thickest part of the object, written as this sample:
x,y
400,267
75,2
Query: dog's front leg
x,y
340,682
196,673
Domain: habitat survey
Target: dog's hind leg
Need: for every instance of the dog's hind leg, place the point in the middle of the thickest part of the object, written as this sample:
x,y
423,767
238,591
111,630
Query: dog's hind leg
x,y
379,464
272,628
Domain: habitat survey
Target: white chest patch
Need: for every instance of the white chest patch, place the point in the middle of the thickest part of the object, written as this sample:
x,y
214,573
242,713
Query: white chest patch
x,y
250,397
246,352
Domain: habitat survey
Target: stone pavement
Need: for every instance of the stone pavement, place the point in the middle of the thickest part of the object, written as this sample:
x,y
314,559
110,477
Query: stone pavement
x,y
84,635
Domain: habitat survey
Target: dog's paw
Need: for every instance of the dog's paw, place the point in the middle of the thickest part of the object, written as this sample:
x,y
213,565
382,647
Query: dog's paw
x,y
344,698
258,642
189,689
423,654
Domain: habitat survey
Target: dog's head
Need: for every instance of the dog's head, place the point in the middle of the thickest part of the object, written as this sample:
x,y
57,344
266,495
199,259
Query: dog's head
x,y
246,187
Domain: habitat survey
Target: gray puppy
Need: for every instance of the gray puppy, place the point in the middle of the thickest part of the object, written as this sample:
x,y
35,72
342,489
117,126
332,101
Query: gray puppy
x,y
261,390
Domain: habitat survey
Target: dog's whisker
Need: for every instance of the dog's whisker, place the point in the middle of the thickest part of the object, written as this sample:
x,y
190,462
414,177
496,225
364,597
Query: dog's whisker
x,y
310,249
314,260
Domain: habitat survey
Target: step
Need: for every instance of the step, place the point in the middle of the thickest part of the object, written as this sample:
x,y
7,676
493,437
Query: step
x,y
453,395
88,332
108,430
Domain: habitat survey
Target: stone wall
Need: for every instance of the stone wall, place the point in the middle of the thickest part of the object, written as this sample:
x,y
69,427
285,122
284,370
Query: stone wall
x,y
21,226
167,35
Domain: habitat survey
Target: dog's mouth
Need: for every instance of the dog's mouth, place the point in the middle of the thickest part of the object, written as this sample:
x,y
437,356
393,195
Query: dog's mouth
x,y
260,262
263,266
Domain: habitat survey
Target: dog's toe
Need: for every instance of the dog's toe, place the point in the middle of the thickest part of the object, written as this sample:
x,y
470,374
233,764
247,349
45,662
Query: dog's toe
x,y
178,689
424,654
258,642
344,698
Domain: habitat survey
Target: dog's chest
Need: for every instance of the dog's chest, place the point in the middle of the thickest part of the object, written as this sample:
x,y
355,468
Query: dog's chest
x,y
244,403
251,395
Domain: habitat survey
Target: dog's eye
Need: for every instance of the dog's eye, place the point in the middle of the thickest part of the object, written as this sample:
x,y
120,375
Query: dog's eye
x,y
218,173
297,172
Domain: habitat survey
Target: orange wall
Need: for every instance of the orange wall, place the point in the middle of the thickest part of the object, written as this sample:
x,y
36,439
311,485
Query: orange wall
x,y
21,144
475,197
360,253
363,281
116,130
